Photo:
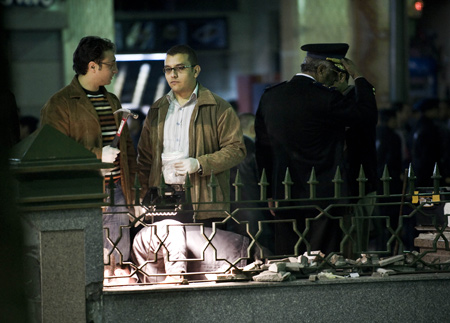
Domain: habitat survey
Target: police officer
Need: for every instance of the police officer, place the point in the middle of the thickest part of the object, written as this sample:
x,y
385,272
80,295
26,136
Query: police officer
x,y
300,125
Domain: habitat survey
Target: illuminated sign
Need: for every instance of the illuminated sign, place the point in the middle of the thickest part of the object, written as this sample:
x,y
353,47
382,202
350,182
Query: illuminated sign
x,y
27,3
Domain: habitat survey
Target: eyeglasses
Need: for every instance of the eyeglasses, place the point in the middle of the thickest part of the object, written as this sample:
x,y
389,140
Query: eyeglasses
x,y
177,69
111,66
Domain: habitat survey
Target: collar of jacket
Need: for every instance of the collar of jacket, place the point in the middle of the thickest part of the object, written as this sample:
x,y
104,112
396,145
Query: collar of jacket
x,y
76,92
204,97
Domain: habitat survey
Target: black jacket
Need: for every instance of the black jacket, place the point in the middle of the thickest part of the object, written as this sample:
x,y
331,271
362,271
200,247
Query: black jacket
x,y
301,124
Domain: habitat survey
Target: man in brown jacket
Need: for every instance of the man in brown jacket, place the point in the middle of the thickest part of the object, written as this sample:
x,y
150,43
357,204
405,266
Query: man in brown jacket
x,y
83,110
190,131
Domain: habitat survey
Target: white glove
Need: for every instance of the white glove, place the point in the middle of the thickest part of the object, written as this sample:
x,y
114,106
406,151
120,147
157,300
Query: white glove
x,y
188,165
109,154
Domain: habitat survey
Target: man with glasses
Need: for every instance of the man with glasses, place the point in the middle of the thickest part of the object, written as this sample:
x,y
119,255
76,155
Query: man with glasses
x,y
84,110
300,125
190,131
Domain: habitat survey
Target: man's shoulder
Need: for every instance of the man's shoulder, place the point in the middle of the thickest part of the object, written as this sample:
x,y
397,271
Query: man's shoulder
x,y
61,95
207,97
73,89
323,87
274,86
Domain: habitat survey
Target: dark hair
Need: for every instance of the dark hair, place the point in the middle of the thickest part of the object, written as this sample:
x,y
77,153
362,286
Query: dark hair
x,y
90,49
184,49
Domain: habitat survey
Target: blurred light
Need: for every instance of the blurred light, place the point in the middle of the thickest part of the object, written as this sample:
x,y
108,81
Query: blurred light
x,y
418,5
140,57
415,8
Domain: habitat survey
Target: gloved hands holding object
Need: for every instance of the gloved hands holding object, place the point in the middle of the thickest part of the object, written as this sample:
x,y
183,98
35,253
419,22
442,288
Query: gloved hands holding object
x,y
109,154
188,165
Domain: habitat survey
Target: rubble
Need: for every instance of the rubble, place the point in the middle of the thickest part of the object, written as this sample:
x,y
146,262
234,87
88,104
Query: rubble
x,y
391,260
268,276
411,257
231,277
315,266
385,272
338,260
328,275
277,267
313,278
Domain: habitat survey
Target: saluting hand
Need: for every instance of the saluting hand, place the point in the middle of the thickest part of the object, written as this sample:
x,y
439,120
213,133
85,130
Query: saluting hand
x,y
351,68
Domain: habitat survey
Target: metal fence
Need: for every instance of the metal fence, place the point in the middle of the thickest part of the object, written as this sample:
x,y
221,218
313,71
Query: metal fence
x,y
400,232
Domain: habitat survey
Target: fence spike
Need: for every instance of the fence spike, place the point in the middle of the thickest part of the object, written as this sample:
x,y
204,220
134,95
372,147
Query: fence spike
x,y
386,179
436,178
213,186
312,184
238,184
287,184
263,183
162,185
337,183
362,179
187,189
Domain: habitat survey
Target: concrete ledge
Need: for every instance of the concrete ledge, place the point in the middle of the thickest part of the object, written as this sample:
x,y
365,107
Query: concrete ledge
x,y
401,298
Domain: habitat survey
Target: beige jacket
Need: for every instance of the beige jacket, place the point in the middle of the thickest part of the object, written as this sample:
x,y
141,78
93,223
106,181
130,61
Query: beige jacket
x,y
70,111
215,139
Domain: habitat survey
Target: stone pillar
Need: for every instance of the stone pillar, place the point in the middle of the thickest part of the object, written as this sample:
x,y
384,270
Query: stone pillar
x,y
64,264
60,197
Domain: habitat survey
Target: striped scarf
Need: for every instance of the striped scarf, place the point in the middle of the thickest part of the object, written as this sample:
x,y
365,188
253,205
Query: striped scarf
x,y
108,127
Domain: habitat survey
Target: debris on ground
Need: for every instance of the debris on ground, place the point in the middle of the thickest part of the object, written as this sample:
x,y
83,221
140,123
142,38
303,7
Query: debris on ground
x,y
316,266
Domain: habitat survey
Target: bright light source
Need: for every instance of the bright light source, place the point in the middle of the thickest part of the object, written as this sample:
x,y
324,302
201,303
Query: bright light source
x,y
418,5
140,57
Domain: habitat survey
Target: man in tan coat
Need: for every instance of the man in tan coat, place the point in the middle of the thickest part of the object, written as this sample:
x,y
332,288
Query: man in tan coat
x,y
83,110
190,131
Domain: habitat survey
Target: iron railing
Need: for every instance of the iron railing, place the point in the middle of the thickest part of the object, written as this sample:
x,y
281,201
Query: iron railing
x,y
407,232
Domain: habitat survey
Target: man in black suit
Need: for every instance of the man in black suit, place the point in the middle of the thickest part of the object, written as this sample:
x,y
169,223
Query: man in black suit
x,y
300,125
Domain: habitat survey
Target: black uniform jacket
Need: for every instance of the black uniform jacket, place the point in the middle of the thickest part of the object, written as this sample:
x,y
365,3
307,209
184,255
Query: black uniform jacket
x,y
300,124
361,150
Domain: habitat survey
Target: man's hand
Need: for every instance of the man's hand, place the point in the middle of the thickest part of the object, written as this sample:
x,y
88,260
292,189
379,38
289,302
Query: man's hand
x,y
351,68
188,165
109,154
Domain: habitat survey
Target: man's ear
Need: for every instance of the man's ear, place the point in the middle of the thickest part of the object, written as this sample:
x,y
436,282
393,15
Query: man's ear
x,y
91,66
197,70
321,69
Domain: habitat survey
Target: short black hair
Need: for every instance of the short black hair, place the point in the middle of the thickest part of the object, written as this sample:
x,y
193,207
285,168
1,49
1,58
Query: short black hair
x,y
184,49
90,49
